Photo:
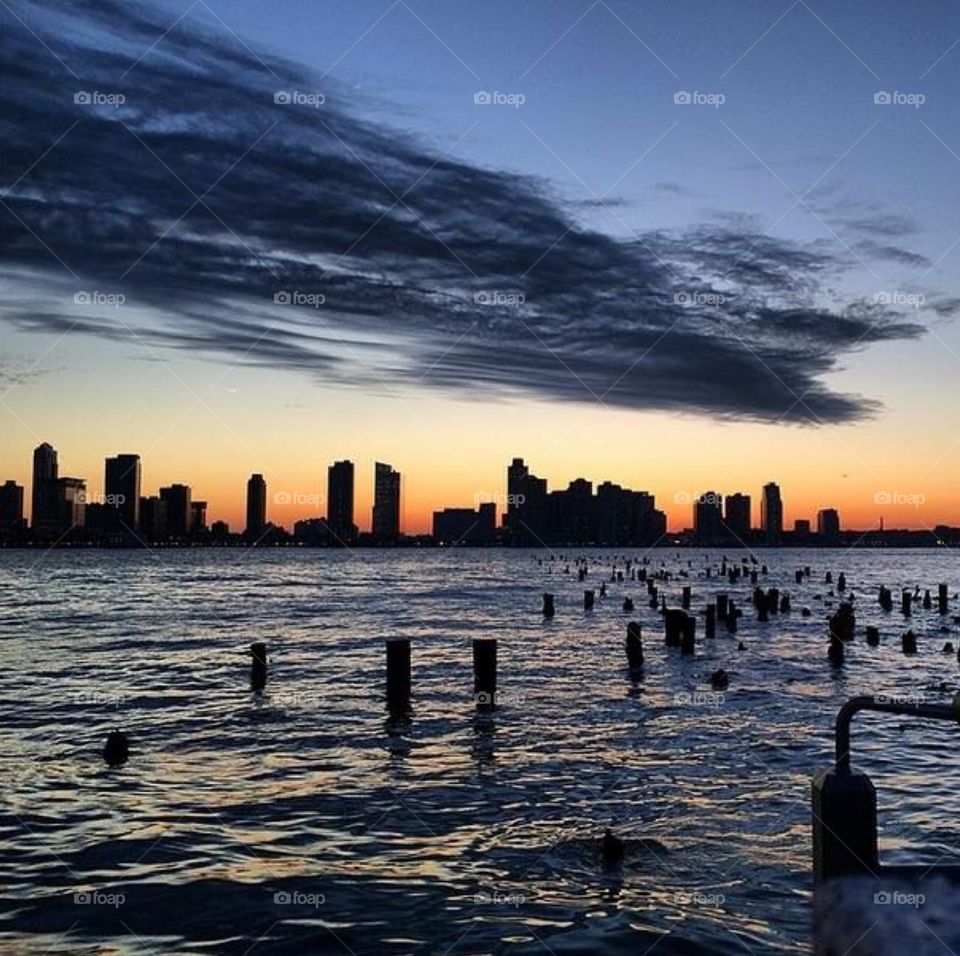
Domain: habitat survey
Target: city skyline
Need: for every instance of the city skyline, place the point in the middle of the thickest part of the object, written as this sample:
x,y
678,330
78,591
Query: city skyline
x,y
473,255
525,501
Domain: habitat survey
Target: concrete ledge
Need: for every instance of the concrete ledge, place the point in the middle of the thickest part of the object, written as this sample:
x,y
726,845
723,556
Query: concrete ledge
x,y
889,916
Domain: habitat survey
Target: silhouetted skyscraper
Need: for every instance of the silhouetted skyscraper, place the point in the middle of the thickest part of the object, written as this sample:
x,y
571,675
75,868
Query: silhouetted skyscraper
x,y
386,503
256,506
457,526
71,504
707,517
122,488
340,500
198,517
45,497
11,506
179,515
738,518
517,472
153,518
771,513
828,523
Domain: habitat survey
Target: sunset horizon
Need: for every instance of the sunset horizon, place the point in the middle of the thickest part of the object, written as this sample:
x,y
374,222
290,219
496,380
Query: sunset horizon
x,y
480,478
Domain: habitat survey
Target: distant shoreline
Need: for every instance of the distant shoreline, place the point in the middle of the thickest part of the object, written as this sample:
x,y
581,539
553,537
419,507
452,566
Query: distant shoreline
x,y
909,541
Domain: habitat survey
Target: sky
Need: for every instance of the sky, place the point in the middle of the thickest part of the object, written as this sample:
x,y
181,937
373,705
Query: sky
x,y
682,247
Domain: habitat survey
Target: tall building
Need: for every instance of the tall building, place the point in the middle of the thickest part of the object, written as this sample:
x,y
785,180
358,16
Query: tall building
x,y
340,501
11,506
771,513
122,488
71,504
708,517
256,506
179,512
198,517
45,495
738,517
153,518
517,472
458,526
828,523
648,526
386,503
528,504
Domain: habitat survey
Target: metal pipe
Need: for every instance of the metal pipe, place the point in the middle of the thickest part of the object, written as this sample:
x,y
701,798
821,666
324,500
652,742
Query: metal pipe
x,y
856,704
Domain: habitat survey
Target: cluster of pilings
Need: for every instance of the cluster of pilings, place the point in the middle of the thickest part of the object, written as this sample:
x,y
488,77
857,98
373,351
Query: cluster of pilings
x,y
679,627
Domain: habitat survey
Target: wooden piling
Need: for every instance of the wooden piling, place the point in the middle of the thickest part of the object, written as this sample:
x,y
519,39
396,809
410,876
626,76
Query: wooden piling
x,y
258,667
398,675
634,647
485,672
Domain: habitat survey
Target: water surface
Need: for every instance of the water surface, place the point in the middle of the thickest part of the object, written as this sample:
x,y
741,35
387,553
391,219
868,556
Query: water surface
x,y
307,822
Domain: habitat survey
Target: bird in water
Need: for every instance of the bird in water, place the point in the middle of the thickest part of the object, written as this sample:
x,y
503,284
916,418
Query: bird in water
x,y
116,749
612,850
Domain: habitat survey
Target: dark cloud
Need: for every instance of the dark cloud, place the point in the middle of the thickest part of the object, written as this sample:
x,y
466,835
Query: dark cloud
x,y
891,253
200,200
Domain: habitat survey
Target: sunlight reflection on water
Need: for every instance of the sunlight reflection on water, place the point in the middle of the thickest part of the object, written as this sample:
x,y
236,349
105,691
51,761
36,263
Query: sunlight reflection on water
x,y
308,820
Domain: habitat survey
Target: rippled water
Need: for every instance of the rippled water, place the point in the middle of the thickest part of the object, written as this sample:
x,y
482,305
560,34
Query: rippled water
x,y
306,822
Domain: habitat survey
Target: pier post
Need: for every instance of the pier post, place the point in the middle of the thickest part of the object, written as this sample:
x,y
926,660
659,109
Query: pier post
x,y
673,627
844,824
398,675
634,647
548,608
258,667
688,630
485,672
